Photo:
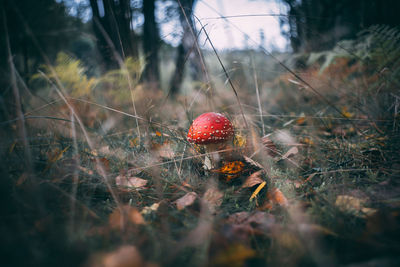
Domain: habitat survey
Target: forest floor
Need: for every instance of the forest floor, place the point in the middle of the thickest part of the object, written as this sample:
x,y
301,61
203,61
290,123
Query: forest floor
x,y
312,179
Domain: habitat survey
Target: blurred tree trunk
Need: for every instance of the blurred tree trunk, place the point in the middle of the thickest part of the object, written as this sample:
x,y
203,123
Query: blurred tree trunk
x,y
185,48
111,23
151,41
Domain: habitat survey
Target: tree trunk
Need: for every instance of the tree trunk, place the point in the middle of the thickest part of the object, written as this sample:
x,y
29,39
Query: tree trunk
x,y
151,42
112,29
185,48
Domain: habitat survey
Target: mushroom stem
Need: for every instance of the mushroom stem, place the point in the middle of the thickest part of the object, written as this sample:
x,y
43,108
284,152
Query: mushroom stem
x,y
212,156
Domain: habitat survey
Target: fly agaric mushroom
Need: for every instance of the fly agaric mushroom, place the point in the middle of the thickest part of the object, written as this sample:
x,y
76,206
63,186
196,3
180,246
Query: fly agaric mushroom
x,y
212,130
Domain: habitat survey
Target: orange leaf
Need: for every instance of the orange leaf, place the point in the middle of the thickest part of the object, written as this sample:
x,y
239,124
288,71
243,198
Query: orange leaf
x,y
231,168
133,142
276,196
301,120
158,133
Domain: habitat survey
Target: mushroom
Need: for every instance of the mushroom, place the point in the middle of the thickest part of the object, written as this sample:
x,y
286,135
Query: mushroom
x,y
212,130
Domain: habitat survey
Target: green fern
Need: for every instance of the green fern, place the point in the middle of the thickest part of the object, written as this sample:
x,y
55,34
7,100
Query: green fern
x,y
71,73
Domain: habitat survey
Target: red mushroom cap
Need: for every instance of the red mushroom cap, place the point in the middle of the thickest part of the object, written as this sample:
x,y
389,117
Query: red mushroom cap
x,y
210,128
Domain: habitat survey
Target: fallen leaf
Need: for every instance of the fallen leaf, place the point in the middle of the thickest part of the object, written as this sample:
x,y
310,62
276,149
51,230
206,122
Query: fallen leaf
x,y
254,179
301,120
126,214
54,156
345,113
298,184
291,152
253,162
22,179
186,200
234,255
307,141
213,197
150,209
275,197
57,154
124,256
134,142
269,146
165,151
102,163
353,205
349,203
243,226
130,183
231,169
258,189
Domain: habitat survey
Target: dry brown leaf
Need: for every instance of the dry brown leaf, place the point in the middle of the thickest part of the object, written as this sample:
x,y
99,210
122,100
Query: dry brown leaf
x,y
269,146
150,209
291,152
213,197
125,256
54,156
301,120
353,205
186,200
298,184
275,196
134,142
254,179
22,179
235,255
165,151
253,162
127,183
102,163
126,214
244,225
